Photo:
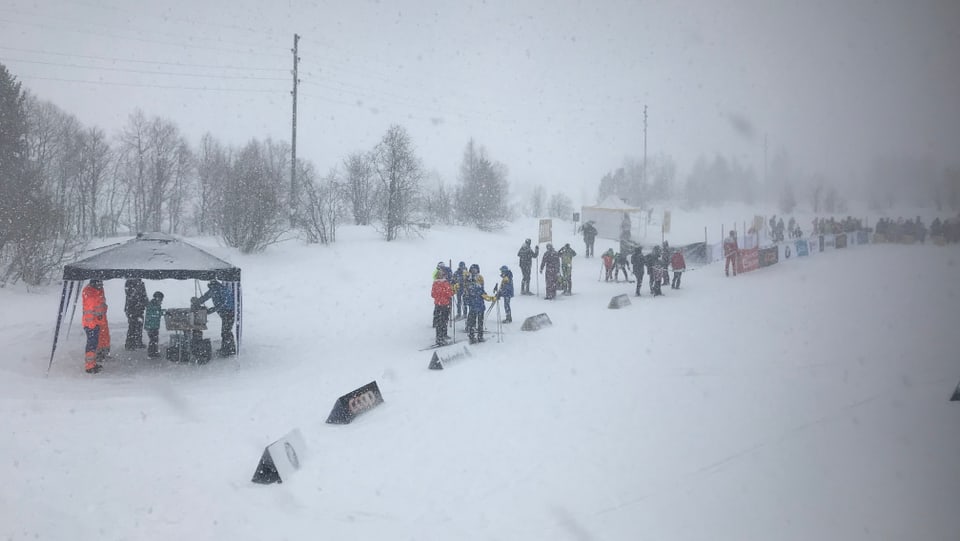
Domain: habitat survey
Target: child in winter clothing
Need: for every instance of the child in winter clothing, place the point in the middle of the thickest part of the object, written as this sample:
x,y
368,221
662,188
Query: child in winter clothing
x,y
473,298
151,323
442,292
505,291
608,264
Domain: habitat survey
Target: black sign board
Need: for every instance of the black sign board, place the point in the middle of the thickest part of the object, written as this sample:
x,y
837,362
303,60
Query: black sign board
x,y
354,403
280,459
769,256
956,394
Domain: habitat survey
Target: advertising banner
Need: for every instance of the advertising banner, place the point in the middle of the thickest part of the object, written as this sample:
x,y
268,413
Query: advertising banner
x,y
841,240
862,237
802,248
749,260
768,256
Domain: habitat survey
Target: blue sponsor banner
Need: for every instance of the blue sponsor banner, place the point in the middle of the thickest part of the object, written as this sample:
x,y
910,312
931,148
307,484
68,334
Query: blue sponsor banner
x,y
802,248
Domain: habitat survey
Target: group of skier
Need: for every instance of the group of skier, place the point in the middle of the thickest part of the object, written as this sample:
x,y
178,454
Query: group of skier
x,y
657,264
465,288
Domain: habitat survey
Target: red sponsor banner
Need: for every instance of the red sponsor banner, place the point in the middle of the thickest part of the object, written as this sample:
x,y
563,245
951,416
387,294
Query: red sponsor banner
x,y
748,260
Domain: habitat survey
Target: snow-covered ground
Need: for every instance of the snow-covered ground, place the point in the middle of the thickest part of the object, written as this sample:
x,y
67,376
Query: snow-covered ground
x,y
808,400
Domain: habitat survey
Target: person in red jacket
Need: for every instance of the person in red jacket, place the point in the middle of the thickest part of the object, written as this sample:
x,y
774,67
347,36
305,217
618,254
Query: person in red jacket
x,y
95,326
679,265
442,292
730,250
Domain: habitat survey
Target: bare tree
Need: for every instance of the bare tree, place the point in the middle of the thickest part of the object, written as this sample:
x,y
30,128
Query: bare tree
x,y
361,186
538,201
252,215
325,205
213,170
560,206
399,172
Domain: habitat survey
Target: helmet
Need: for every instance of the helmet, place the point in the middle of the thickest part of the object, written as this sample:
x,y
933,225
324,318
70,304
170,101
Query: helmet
x,y
504,269
440,264
474,267
526,241
549,246
96,282
158,295
461,265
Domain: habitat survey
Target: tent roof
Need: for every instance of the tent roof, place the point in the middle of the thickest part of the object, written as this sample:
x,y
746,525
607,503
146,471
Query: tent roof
x,y
152,256
613,202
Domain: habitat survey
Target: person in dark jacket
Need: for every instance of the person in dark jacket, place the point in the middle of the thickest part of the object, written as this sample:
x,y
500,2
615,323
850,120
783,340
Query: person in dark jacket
x,y
133,307
526,255
504,290
459,285
550,262
151,323
621,263
589,235
637,261
473,297
224,305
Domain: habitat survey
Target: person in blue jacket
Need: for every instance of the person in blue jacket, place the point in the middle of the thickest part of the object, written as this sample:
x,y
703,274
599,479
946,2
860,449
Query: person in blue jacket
x,y
224,305
473,297
504,290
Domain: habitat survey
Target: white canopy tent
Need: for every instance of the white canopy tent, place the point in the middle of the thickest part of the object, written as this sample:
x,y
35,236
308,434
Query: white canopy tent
x,y
607,217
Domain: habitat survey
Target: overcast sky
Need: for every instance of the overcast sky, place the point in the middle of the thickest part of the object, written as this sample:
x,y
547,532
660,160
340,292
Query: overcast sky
x,y
553,89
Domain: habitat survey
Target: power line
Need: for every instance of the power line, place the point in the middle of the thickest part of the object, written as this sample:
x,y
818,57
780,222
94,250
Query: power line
x,y
143,40
129,70
138,85
154,62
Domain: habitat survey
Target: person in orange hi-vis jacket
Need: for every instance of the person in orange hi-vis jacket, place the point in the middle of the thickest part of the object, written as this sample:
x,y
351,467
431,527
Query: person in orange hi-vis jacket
x,y
95,326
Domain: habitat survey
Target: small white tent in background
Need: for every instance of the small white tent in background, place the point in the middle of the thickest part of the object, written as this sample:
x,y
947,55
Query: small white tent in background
x,y
607,217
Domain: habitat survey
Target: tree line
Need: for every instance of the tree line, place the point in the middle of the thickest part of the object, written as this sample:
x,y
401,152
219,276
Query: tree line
x,y
63,184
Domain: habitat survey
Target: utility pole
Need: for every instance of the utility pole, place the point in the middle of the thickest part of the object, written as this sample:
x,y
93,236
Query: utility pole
x,y
766,177
644,145
293,137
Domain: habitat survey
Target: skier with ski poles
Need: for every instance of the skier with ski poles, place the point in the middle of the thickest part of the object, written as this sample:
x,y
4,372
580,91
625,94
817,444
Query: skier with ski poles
x,y
442,293
526,255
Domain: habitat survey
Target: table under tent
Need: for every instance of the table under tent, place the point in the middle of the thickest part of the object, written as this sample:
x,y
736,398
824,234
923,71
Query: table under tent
x,y
150,256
